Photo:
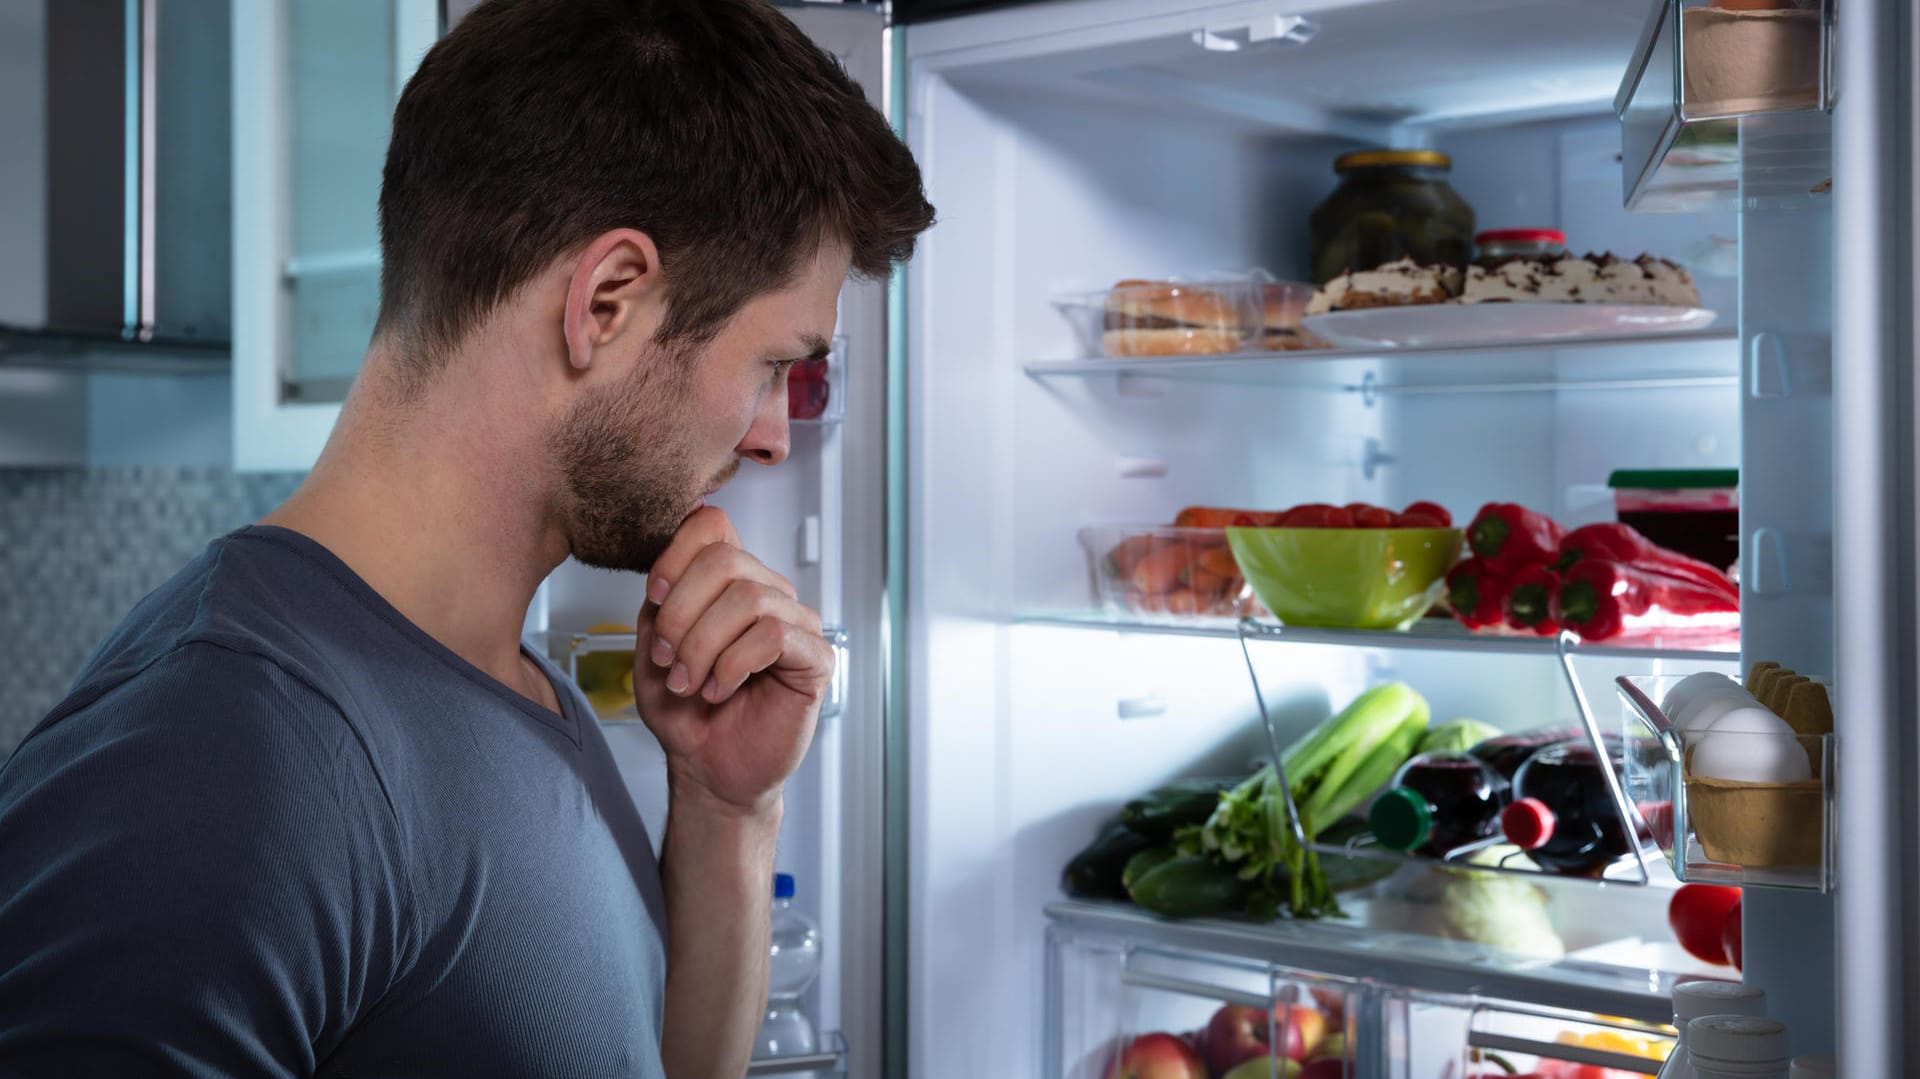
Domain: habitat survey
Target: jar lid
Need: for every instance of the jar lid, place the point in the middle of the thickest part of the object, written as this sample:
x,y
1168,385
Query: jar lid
x,y
1811,1068
1521,236
1401,819
1367,159
1737,1039
1691,1000
1673,479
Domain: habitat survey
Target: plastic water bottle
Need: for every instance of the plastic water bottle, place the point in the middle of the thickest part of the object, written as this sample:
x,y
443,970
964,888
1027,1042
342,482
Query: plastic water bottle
x,y
1738,1047
795,963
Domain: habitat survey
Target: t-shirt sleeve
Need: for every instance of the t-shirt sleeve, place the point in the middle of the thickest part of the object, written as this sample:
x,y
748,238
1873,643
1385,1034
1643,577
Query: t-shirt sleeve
x,y
199,875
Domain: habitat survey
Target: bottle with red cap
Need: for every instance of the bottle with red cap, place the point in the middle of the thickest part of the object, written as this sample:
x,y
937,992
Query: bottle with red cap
x,y
1498,245
1563,813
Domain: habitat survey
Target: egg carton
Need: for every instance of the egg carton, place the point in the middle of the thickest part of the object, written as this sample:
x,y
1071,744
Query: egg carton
x,y
1735,782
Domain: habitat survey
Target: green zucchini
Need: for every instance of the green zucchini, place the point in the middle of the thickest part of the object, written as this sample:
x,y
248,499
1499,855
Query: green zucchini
x,y
1190,886
1094,873
1161,812
1143,863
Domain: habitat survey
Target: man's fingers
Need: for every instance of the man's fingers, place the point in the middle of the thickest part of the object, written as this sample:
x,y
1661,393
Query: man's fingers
x,y
767,643
713,570
705,527
741,605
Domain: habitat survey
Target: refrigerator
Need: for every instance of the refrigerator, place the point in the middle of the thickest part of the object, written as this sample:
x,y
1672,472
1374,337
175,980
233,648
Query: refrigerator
x,y
994,715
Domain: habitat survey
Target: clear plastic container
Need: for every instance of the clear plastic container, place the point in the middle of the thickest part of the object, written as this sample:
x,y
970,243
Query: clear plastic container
x,y
1165,575
787,1030
816,390
1206,316
1282,304
1723,802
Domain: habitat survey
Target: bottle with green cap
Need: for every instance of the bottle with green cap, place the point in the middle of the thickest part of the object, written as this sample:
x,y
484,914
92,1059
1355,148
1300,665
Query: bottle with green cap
x,y
1438,803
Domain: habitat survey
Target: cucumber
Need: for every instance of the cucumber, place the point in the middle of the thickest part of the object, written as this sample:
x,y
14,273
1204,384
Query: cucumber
x,y
1159,813
1190,886
1094,873
1143,863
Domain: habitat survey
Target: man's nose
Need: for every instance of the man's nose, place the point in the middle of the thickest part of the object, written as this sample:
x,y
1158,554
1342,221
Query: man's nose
x,y
768,440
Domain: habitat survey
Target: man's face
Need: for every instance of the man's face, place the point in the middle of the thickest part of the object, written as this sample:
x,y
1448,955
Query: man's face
x,y
640,458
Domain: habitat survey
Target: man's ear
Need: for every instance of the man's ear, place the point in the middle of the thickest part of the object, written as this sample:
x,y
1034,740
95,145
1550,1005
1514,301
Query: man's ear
x,y
615,289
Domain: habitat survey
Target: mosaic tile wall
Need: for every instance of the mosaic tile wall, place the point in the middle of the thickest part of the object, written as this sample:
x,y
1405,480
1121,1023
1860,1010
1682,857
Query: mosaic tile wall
x,y
79,547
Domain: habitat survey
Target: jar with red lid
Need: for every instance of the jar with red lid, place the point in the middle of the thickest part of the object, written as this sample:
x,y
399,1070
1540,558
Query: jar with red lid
x,y
1498,245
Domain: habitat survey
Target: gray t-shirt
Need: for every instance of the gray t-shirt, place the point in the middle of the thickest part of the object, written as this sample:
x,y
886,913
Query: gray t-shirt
x,y
278,830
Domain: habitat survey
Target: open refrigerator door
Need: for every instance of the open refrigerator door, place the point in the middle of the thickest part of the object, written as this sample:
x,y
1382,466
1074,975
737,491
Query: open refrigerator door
x,y
1138,555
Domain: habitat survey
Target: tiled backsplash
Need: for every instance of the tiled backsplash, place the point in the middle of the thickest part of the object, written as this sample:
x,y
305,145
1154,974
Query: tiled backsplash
x,y
79,547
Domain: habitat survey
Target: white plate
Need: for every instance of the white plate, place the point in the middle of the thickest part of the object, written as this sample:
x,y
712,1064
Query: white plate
x,y
1441,325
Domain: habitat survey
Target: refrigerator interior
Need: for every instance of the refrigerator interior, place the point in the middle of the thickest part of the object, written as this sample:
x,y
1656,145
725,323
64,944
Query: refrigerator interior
x,y
1072,145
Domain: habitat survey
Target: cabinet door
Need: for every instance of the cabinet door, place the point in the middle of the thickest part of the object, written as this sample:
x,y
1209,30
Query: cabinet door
x,y
314,86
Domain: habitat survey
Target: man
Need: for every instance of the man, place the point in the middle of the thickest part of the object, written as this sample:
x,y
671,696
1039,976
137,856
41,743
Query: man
x,y
312,810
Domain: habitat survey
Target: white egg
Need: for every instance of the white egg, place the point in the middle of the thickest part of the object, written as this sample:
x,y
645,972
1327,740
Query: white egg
x,y
1751,745
1706,708
1691,688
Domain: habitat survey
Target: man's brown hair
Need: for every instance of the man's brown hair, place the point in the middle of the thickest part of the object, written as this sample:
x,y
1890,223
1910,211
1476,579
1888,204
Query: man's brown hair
x,y
716,127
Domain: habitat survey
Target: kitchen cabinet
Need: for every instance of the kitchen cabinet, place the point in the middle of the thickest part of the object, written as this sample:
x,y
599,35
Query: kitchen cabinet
x,y
314,86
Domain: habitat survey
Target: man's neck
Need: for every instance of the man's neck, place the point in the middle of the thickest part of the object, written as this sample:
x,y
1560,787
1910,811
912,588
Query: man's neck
x,y
441,515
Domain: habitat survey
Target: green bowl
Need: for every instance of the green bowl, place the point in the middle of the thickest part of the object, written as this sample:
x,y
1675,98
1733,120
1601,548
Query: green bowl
x,y
1351,578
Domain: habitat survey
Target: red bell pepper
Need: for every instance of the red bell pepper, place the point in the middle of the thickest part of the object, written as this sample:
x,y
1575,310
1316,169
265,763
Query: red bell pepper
x,y
1530,600
1510,537
1478,596
1597,596
1620,543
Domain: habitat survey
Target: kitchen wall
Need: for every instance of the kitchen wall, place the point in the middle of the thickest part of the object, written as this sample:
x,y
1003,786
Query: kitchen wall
x,y
80,546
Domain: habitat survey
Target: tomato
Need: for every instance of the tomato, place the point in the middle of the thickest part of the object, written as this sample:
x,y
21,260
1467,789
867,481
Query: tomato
x,y
1730,938
1698,914
1317,515
1373,517
1431,509
1417,520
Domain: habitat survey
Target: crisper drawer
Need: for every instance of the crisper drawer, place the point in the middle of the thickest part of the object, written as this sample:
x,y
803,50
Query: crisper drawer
x,y
1189,1004
1117,1008
1432,1036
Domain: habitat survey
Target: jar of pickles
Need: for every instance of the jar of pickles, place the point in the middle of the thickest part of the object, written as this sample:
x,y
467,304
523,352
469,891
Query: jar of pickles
x,y
1390,204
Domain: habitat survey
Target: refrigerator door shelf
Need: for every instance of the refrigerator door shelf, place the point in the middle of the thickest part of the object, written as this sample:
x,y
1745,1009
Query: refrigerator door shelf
x,y
830,1060
1725,109
577,645
1783,832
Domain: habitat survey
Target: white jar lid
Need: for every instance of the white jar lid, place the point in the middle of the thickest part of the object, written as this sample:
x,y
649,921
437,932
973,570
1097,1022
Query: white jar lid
x,y
1691,1000
1811,1068
1743,1039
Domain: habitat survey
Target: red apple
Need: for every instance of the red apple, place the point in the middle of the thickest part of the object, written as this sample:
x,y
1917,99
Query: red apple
x,y
1265,1068
1158,1056
1327,1068
1301,1028
1333,1004
1235,1033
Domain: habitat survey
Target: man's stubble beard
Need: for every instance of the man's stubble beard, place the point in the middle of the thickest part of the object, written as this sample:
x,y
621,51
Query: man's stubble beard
x,y
630,478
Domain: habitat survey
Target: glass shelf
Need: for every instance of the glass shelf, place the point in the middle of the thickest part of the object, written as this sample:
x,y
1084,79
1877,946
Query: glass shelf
x,y
830,1060
1596,363
1342,949
1431,634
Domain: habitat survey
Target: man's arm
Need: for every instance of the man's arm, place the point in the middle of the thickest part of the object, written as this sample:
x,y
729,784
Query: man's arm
x,y
717,866
730,672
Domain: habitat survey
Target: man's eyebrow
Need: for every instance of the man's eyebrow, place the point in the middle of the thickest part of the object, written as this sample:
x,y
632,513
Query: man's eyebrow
x,y
816,346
